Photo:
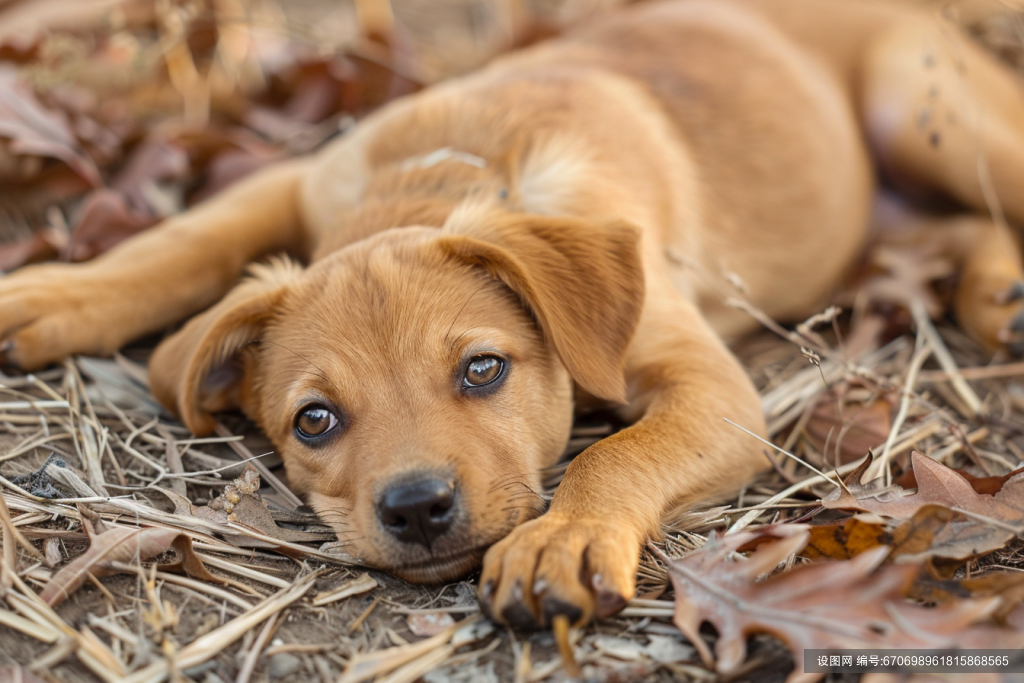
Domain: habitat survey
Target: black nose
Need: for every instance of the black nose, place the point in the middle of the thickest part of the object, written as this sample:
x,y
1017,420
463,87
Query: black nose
x,y
418,511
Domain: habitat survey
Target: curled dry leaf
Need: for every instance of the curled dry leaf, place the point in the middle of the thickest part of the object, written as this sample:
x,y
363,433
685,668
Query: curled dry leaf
x,y
121,544
847,604
241,506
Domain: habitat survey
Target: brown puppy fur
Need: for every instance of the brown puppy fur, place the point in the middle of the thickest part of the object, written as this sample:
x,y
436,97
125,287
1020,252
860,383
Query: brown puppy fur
x,y
565,215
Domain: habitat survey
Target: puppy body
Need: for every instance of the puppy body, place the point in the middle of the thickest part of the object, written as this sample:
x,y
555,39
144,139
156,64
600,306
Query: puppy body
x,y
571,214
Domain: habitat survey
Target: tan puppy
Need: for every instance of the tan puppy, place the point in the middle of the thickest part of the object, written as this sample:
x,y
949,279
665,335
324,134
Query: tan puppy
x,y
547,234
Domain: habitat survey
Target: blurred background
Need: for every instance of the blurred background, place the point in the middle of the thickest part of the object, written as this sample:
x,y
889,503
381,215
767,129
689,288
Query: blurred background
x,y
117,113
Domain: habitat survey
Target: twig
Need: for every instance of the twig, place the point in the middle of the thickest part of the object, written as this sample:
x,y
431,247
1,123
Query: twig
x,y
746,520
945,358
257,647
786,453
174,465
881,466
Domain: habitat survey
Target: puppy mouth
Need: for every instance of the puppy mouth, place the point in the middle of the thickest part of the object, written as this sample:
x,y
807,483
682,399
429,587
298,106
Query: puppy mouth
x,y
439,569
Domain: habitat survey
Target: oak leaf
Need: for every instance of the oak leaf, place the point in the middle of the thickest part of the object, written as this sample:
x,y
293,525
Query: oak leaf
x,y
832,604
843,539
936,485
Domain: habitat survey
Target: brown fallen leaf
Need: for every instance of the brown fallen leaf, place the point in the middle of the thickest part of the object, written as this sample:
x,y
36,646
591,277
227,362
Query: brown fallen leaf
x,y
986,485
241,506
937,485
833,604
850,432
33,130
945,539
104,220
38,247
120,544
947,521
843,539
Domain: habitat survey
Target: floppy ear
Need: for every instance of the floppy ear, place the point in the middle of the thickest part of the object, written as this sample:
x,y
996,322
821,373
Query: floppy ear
x,y
205,367
582,280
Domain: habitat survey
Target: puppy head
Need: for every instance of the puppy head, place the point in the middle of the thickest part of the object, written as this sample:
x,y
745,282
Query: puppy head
x,y
417,383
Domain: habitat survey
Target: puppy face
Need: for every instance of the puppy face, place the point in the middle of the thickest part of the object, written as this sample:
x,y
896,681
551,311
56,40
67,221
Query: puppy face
x,y
418,382
415,400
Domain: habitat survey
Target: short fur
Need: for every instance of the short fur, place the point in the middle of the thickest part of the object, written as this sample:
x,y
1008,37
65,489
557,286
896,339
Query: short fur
x,y
574,207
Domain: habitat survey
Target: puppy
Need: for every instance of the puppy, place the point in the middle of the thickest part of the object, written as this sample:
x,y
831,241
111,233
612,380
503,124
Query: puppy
x,y
549,235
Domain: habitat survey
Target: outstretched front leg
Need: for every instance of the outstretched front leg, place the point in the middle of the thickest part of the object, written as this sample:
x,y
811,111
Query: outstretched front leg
x,y
50,311
581,557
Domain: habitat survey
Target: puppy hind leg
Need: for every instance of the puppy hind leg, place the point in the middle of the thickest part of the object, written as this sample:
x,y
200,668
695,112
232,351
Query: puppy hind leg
x,y
989,298
944,115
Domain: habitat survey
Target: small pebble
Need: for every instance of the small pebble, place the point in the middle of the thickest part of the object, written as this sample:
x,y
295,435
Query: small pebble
x,y
282,665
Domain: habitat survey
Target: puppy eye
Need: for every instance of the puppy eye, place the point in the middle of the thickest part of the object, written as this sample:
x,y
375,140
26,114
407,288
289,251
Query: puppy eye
x,y
314,420
483,370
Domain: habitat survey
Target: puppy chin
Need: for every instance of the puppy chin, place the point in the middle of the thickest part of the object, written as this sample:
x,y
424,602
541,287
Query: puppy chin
x,y
440,570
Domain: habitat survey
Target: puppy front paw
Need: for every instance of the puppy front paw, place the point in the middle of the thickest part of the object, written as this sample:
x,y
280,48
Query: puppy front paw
x,y
50,311
559,565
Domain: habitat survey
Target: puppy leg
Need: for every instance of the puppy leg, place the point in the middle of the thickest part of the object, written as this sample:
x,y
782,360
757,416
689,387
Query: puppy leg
x,y
580,558
945,115
182,266
941,113
989,301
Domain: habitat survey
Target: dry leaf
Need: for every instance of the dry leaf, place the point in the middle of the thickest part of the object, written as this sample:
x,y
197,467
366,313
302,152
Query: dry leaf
x,y
844,539
937,485
34,130
121,544
947,521
852,431
986,485
846,604
946,539
105,220
241,505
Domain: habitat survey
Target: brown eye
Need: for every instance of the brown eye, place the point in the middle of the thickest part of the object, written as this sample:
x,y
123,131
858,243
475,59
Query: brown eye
x,y
483,370
313,421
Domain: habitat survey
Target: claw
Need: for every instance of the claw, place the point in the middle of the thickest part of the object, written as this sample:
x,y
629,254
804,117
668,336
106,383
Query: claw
x,y
553,607
519,617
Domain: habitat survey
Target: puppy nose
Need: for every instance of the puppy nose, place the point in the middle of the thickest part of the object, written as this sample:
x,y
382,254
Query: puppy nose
x,y
418,511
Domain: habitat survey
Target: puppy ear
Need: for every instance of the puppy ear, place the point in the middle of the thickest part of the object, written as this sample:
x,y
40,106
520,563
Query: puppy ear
x,y
583,281
205,368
